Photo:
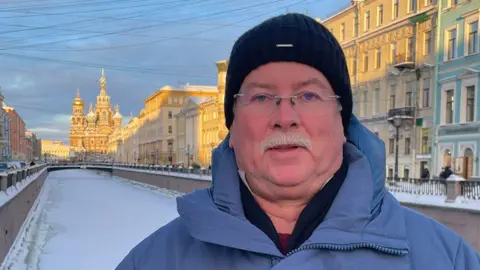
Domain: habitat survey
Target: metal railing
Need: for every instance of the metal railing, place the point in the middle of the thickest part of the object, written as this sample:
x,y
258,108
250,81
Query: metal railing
x,y
470,189
417,186
158,168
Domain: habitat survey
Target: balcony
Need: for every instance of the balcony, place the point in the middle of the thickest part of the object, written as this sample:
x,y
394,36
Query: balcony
x,y
403,114
404,61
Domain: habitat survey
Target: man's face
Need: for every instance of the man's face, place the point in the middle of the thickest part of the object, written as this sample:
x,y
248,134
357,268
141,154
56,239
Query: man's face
x,y
290,143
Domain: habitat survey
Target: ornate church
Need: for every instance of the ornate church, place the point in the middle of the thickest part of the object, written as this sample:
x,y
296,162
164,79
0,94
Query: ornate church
x,y
90,133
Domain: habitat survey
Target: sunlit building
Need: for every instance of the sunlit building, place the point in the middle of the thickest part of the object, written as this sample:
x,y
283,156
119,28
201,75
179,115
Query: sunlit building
x,y
457,113
390,50
54,150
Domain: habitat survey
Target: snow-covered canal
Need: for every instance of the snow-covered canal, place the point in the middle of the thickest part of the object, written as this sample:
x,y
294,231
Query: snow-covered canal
x,y
88,220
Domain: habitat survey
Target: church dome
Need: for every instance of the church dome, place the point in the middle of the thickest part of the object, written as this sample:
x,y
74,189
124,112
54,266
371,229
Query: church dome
x,y
91,117
117,114
77,101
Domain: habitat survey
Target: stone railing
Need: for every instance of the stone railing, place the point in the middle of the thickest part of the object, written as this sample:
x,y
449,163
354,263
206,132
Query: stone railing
x,y
152,168
11,177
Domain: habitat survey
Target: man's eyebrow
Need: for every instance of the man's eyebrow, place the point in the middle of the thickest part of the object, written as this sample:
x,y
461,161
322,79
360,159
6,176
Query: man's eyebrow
x,y
312,81
266,86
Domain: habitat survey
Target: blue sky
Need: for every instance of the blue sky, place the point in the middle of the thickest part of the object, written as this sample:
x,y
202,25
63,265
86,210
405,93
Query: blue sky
x,y
50,48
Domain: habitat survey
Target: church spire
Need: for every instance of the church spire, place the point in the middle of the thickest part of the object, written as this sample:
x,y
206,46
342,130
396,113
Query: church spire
x,y
103,81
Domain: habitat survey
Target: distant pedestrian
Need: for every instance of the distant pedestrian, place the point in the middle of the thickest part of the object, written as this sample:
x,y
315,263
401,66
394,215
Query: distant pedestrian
x,y
298,183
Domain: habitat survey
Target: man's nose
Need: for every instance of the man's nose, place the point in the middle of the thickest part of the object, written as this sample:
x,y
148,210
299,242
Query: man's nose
x,y
285,116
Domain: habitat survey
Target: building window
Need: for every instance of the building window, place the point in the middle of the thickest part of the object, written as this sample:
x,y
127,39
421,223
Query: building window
x,y
470,117
473,38
393,52
429,2
452,3
354,64
426,93
170,129
411,49
342,32
427,38
169,100
378,58
452,44
413,5
355,25
379,15
367,20
395,9
407,146
364,102
365,62
391,146
392,96
425,144
409,94
449,106
376,105
170,114
406,173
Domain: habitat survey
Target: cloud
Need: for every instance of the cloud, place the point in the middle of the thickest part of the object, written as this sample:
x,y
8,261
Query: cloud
x,y
40,81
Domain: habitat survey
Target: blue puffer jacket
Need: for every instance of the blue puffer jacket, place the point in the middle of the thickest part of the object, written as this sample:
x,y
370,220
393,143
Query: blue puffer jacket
x,y
366,228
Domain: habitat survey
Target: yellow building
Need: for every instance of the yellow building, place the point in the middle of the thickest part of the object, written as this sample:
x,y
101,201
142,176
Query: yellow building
x,y
90,133
54,150
201,124
389,47
128,150
157,127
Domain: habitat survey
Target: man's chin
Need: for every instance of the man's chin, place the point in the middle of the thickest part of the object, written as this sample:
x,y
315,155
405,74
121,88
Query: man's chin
x,y
285,176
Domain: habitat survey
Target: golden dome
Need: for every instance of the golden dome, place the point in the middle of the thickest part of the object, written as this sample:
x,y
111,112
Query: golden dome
x,y
78,100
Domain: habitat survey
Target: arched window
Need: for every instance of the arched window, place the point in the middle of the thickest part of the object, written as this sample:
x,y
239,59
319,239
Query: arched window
x,y
104,116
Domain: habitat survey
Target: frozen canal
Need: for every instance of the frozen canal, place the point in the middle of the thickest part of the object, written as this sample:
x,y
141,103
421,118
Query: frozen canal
x,y
88,220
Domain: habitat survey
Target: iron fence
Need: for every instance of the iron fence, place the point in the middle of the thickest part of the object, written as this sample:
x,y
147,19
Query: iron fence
x,y
470,189
417,186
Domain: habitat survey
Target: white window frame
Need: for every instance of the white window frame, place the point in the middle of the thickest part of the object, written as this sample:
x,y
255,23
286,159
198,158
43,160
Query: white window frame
x,y
429,93
365,16
446,38
471,80
393,55
393,9
409,6
424,42
468,20
451,85
380,18
378,62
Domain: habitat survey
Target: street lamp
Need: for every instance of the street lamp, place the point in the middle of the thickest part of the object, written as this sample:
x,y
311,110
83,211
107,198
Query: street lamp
x,y
397,122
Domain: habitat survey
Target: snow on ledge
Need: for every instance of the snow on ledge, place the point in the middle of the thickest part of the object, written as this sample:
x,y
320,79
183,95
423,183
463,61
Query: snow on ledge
x,y
11,192
175,174
437,200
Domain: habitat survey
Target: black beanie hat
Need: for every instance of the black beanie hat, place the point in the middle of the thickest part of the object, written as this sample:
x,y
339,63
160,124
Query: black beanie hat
x,y
313,45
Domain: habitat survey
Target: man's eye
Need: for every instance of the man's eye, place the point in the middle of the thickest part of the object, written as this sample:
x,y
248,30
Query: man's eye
x,y
260,98
309,96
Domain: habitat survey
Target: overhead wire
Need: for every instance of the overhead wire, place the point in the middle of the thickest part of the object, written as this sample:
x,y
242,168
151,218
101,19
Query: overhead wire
x,y
132,29
135,69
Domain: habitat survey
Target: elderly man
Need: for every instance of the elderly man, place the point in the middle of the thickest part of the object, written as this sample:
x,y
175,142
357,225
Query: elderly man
x,y
289,190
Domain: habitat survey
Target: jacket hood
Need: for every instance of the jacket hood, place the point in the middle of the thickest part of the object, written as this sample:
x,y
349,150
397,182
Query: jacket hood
x,y
355,218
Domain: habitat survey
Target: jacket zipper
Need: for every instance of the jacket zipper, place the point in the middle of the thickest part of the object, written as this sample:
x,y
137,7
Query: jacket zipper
x,y
349,247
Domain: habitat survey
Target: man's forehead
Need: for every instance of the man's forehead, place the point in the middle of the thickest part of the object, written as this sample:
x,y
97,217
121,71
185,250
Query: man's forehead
x,y
296,84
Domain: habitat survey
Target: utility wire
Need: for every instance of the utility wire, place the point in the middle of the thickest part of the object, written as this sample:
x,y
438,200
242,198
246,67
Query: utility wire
x,y
151,26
